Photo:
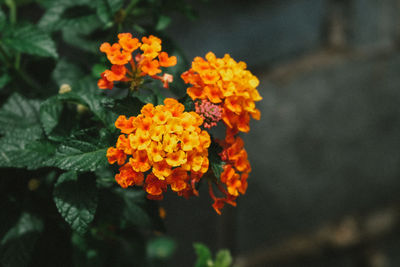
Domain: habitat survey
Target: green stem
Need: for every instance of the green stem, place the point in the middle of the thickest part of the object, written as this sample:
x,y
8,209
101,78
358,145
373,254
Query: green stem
x,y
6,59
13,11
13,20
19,73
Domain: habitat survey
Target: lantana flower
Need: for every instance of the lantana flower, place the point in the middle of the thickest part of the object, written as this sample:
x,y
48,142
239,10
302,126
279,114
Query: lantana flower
x,y
226,83
163,146
132,60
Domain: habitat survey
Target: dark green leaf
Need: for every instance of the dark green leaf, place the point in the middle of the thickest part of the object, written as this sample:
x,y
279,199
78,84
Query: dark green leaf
x,y
50,112
20,116
76,200
86,92
31,40
187,102
107,8
4,79
66,72
223,259
163,22
129,106
134,212
78,155
22,153
203,255
18,243
3,19
216,163
53,18
161,248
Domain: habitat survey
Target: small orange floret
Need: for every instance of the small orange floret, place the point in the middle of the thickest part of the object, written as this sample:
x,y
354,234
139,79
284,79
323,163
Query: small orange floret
x,y
103,83
128,177
129,44
155,186
166,61
150,67
125,125
120,58
116,73
116,155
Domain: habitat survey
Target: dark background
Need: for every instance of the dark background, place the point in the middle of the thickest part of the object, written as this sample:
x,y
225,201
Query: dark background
x,y
325,154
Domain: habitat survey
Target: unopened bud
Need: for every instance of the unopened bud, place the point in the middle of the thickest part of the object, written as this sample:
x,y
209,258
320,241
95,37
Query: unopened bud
x,y
33,184
64,88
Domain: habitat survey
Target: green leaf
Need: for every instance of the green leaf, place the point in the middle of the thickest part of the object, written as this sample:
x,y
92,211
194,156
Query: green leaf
x,y
20,117
129,106
203,255
4,79
30,40
18,152
161,248
55,18
223,259
98,69
18,243
3,19
134,212
107,8
86,92
66,72
187,102
79,155
50,112
76,200
163,22
216,163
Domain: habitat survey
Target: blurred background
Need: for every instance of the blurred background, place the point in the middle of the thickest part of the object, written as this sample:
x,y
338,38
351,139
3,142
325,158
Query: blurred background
x,y
325,154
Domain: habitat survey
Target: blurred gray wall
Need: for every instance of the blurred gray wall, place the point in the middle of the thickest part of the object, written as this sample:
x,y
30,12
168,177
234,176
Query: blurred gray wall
x,y
326,149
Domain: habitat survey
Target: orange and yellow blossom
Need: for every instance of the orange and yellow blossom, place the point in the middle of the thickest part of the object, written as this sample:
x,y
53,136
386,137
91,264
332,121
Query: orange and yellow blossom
x,y
225,82
235,173
132,59
163,143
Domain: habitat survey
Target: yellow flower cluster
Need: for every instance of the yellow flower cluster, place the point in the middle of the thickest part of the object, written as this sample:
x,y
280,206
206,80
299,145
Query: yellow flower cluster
x,y
164,141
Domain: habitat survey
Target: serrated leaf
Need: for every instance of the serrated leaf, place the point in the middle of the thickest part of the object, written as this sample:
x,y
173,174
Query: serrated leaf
x,y
18,152
203,255
76,200
53,19
78,155
30,40
50,112
216,163
18,243
223,259
20,116
86,92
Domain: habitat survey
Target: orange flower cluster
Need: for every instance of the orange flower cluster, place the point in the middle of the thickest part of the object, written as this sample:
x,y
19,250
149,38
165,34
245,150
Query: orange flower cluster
x,y
146,62
235,174
226,82
165,143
